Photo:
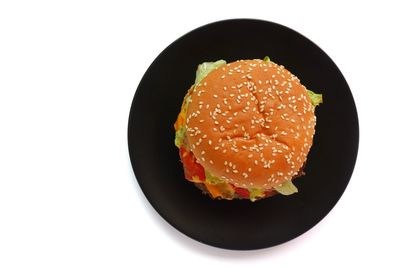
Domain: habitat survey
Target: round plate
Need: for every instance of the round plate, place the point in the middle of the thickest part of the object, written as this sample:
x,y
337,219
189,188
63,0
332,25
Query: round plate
x,y
241,224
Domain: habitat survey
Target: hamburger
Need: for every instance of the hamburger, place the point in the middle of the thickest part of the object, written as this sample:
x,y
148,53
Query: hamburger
x,y
245,129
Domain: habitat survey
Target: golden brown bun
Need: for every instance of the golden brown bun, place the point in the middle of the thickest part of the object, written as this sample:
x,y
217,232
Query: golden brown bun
x,y
251,123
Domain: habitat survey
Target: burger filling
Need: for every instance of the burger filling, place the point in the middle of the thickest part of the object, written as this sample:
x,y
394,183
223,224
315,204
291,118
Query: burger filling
x,y
203,179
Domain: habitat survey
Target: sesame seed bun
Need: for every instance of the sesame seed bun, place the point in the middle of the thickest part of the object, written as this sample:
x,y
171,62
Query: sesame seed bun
x,y
251,123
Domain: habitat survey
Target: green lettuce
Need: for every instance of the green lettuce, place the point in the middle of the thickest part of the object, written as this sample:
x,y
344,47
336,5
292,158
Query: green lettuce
x,y
180,136
205,68
316,99
267,59
255,194
187,100
211,179
287,188
180,133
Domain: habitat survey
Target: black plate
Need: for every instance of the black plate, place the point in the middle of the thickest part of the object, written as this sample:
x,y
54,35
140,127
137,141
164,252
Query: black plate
x,y
241,225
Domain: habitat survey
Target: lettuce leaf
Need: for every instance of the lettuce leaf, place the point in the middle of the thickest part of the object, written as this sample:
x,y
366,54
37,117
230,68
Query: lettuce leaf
x,y
180,136
211,179
255,194
205,68
316,99
287,188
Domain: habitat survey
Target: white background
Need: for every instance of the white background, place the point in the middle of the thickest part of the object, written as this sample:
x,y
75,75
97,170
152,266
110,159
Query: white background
x,y
68,73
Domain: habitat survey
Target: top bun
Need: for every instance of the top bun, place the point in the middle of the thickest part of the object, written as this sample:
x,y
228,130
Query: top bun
x,y
250,123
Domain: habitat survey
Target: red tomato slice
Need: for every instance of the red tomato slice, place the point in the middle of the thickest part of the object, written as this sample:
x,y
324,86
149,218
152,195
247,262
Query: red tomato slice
x,y
190,166
269,193
243,192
